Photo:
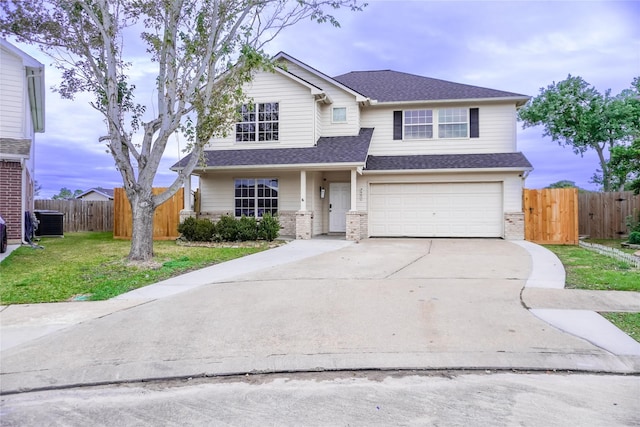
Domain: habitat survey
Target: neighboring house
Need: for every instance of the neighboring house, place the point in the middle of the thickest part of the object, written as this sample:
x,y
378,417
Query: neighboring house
x,y
97,194
372,153
21,116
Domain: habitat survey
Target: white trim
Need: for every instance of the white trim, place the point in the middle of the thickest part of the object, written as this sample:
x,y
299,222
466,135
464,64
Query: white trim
x,y
359,97
434,171
519,100
299,166
346,120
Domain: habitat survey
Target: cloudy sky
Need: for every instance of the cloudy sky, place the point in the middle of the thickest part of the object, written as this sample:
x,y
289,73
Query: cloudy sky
x,y
516,46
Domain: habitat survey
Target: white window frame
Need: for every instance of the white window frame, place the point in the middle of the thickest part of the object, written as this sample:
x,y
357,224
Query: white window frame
x,y
413,120
448,120
333,115
256,125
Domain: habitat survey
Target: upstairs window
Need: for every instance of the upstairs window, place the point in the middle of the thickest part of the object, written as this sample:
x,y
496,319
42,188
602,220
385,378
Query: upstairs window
x,y
339,115
258,122
255,196
418,124
452,123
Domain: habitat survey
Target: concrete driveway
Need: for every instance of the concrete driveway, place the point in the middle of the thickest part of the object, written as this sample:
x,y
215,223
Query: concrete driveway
x,y
379,304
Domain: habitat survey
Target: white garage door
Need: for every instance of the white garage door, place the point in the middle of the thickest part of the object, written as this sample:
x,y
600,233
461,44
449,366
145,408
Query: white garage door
x,y
436,210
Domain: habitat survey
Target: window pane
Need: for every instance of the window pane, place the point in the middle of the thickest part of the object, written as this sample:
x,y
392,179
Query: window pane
x,y
340,114
255,193
418,124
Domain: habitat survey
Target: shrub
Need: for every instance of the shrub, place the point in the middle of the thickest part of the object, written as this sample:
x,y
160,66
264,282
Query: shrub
x,y
197,230
634,238
247,228
633,222
269,227
227,228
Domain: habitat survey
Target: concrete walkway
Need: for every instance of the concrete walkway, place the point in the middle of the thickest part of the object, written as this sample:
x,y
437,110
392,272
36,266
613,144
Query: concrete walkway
x,y
324,305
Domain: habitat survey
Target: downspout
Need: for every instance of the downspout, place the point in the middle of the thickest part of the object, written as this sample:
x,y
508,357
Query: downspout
x,y
23,201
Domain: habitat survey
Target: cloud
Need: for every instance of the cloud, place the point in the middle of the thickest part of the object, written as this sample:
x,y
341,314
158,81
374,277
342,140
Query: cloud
x,y
515,46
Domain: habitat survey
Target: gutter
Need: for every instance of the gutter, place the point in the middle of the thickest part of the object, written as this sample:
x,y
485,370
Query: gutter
x,y
451,171
519,100
23,201
288,167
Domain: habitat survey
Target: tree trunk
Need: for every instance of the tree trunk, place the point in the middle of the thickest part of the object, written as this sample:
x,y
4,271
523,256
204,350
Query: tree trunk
x,y
142,210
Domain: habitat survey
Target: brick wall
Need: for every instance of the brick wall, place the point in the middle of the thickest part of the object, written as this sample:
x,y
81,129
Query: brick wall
x,y
514,226
357,227
304,224
11,198
287,219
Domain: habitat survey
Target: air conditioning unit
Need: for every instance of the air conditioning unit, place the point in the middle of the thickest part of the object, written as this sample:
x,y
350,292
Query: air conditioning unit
x,y
50,223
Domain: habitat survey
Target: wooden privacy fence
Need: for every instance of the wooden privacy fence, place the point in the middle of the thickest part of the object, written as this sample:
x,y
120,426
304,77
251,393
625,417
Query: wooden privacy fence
x,y
81,215
551,216
165,220
603,215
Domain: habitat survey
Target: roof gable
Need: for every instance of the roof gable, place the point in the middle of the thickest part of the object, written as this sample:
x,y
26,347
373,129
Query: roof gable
x,y
394,86
282,56
106,192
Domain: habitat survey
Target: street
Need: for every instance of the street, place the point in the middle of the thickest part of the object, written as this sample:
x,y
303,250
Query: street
x,y
444,398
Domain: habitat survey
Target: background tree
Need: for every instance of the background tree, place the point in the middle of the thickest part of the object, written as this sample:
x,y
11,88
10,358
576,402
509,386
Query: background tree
x,y
625,159
563,184
575,114
192,45
66,194
625,165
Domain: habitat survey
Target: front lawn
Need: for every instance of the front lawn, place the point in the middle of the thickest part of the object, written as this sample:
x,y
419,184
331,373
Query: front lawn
x,y
92,266
589,270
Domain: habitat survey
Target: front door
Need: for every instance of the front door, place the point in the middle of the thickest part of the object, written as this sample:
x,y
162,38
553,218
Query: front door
x,y
339,204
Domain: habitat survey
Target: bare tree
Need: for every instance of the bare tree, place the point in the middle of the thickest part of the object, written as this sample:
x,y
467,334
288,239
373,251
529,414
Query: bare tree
x,y
203,52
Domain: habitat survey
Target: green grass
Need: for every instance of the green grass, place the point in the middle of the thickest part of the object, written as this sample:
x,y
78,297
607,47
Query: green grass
x,y
628,322
589,270
612,243
93,266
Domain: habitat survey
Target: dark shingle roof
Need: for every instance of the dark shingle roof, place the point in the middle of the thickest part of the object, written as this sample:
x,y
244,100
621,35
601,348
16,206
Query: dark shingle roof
x,y
448,161
394,86
337,149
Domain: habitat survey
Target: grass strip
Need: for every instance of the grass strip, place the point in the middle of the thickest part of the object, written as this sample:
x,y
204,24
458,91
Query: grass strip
x,y
589,270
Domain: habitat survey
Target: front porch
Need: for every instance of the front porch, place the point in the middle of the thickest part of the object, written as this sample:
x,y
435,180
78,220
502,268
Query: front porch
x,y
309,203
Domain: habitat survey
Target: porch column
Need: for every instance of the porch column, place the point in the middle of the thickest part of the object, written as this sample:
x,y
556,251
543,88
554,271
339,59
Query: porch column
x,y
354,198
304,219
187,193
303,190
186,211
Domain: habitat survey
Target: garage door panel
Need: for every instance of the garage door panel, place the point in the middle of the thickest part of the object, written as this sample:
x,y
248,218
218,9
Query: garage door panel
x,y
436,210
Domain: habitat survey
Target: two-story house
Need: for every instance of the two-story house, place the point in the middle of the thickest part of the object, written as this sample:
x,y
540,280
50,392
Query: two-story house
x,y
369,154
21,116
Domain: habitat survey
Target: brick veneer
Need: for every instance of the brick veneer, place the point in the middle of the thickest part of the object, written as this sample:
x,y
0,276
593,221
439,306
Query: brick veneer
x,y
357,226
287,219
11,198
514,226
304,224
